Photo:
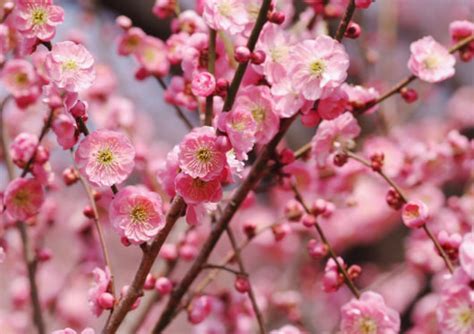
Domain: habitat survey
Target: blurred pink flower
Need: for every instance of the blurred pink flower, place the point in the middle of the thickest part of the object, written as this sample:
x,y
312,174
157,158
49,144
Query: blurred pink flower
x,y
196,191
22,148
415,214
151,55
20,79
23,198
100,286
430,61
105,157
203,84
137,214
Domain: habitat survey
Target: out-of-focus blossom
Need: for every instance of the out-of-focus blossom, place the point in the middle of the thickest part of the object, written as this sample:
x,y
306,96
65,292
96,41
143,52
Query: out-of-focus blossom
x,y
100,286
23,198
415,214
196,191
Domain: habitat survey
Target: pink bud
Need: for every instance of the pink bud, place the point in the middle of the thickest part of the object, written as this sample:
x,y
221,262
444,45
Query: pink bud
x,y
42,155
249,229
287,156
203,84
141,74
415,214
318,207
123,22
70,176
258,57
149,282
199,309
242,284
125,241
169,252
353,30
363,3
330,208
188,252
44,254
106,301
409,95
242,54
293,210
79,109
316,249
88,212
280,231
354,271
310,119
222,85
223,144
163,285
276,17
308,220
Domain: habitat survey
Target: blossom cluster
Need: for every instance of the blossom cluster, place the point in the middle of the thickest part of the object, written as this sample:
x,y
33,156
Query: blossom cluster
x,y
89,193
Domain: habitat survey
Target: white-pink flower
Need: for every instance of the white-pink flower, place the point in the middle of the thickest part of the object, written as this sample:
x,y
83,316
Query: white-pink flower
x,y
105,157
23,198
137,214
334,135
38,18
228,15
19,78
199,154
151,54
430,61
317,66
70,66
369,315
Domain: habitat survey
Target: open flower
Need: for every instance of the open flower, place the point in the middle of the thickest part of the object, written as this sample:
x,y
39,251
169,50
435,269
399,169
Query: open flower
x,y
151,54
105,157
227,15
415,214
19,78
70,66
38,18
196,191
137,214
317,66
23,198
430,61
200,156
369,315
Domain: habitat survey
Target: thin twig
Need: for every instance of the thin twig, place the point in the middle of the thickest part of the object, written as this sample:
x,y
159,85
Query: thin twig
x,y
341,29
211,68
355,291
224,268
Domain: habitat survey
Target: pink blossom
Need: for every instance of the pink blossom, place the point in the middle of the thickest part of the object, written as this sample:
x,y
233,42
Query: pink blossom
x,y
363,3
203,84
199,154
287,100
19,78
22,148
196,191
430,61
228,15
105,157
360,97
38,18
334,135
176,45
240,127
317,66
23,198
130,41
415,214
168,170
99,287
369,314
333,105
258,100
461,29
466,254
188,22
151,55
332,279
179,93
136,213
164,8
70,66
199,309
64,127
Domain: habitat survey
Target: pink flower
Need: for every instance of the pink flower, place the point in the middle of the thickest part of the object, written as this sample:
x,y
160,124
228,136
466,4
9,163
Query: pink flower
x,y
200,156
105,157
333,105
287,100
130,41
20,79
334,135
151,55
360,97
461,29
240,128
99,287
70,66
168,170
199,309
164,8
430,61
258,100
228,15
38,18
23,198
179,93
369,314
203,84
196,191
332,279
64,127
22,148
137,214
415,214
317,66
363,3
466,254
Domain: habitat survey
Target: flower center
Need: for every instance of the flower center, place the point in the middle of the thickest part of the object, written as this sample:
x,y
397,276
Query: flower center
x,y
139,214
204,154
21,79
258,114
317,67
21,198
39,16
252,10
225,8
105,156
466,317
367,326
431,62
278,53
198,183
238,126
70,65
149,55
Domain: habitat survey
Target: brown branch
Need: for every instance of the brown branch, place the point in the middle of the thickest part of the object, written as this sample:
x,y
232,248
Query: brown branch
x,y
341,29
211,68
224,268
251,292
347,280
239,196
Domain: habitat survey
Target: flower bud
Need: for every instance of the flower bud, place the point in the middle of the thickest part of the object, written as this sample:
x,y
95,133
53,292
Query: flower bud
x,y
293,210
242,54
258,57
199,309
89,212
276,17
415,214
149,282
353,30
242,284
203,84
163,285
409,94
316,249
106,301
308,220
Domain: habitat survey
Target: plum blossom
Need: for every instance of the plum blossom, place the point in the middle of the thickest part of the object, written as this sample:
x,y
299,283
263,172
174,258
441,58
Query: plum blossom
x,y
23,198
22,148
334,135
137,214
318,66
203,84
70,66
228,15
369,315
415,214
65,129
38,18
19,78
99,287
200,155
430,61
105,157
151,55
196,190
